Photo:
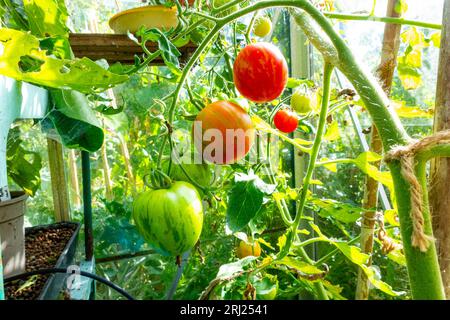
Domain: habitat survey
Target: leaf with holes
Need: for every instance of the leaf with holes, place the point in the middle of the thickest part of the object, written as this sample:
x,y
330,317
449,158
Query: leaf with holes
x,y
22,59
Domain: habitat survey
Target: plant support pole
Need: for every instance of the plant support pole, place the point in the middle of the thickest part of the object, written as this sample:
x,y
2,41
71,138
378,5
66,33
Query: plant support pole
x,y
440,167
385,71
87,205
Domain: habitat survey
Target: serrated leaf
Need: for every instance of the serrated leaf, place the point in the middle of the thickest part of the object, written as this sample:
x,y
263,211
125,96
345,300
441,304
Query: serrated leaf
x,y
46,18
380,285
228,270
264,242
299,265
363,163
404,111
343,212
409,76
245,199
355,255
414,38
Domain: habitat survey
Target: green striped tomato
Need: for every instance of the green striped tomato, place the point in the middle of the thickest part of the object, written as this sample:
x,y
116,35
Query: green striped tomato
x,y
171,219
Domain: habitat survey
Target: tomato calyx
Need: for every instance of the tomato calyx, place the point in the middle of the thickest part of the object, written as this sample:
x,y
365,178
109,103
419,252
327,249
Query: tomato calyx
x,y
158,180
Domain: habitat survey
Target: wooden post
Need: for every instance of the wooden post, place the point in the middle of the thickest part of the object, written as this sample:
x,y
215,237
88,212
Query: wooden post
x,y
58,180
74,184
385,72
106,172
440,167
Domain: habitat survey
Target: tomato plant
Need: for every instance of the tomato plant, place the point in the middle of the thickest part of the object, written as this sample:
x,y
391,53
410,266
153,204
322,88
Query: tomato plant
x,y
231,97
260,72
223,132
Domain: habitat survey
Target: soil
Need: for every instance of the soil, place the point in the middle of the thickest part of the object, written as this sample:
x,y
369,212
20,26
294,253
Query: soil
x,y
43,248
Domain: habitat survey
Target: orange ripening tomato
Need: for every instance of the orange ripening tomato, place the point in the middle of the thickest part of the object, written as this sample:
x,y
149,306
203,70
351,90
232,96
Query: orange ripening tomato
x,y
260,72
285,120
248,249
223,132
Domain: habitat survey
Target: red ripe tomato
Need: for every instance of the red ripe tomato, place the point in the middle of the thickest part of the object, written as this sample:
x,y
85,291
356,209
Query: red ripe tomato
x,y
191,2
285,120
223,132
260,72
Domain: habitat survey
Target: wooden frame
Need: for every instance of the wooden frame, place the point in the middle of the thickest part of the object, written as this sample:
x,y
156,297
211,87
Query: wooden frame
x,y
116,48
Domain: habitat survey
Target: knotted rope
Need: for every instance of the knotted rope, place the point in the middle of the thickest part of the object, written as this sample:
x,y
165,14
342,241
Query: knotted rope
x,y
406,156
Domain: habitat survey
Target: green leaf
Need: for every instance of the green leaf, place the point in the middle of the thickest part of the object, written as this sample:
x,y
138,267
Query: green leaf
x,y
409,76
372,276
169,51
329,166
23,166
228,270
363,162
299,265
340,211
436,39
266,285
414,38
404,111
401,7
355,255
245,199
332,133
82,75
294,82
47,18
398,257
75,121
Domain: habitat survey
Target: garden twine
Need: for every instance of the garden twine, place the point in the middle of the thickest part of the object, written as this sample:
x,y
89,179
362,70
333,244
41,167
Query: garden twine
x,y
406,156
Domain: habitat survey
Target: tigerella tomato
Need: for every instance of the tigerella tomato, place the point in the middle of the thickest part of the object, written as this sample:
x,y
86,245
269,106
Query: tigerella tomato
x,y
286,120
223,132
170,219
260,72
262,27
246,249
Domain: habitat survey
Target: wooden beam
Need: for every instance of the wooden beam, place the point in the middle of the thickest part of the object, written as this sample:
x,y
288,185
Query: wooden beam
x,y
440,168
58,180
117,48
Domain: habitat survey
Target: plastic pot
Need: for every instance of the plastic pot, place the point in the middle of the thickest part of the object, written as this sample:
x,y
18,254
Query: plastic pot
x,y
12,233
155,16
